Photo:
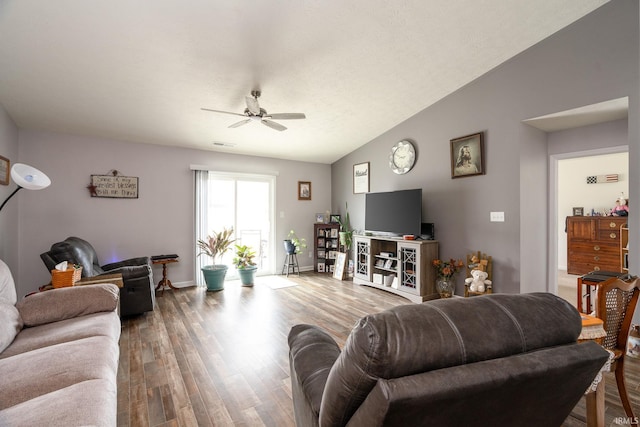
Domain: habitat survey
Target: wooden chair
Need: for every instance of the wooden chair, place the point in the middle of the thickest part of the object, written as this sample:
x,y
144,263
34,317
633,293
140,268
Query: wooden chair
x,y
479,261
617,300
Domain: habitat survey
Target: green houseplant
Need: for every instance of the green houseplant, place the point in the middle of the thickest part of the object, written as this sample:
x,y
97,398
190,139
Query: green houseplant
x,y
245,265
293,244
346,234
215,245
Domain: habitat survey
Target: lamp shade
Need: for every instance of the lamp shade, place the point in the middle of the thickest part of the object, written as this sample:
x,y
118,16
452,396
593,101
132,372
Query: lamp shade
x,y
29,177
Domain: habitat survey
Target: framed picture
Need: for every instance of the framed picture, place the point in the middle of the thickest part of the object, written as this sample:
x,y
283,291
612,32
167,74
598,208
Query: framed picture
x,y
4,170
361,178
334,219
467,156
338,272
578,211
319,217
304,190
321,267
334,233
321,253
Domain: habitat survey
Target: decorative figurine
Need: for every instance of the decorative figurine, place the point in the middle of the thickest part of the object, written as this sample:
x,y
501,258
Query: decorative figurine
x,y
621,208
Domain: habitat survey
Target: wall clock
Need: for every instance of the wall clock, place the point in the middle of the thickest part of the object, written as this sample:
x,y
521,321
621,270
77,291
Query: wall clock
x,y
402,157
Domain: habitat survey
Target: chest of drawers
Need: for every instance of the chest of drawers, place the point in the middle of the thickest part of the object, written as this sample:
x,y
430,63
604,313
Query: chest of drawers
x,y
593,244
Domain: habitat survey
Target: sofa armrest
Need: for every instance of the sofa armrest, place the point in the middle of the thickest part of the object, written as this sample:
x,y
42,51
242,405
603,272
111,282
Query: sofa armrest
x,y
132,262
130,272
66,303
312,353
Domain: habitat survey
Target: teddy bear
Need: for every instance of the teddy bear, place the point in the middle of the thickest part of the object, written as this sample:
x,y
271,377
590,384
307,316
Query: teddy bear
x,y
478,281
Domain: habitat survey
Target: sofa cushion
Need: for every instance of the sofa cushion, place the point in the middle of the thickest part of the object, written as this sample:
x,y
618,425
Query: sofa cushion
x,y
7,287
47,369
88,403
410,339
98,324
10,324
66,303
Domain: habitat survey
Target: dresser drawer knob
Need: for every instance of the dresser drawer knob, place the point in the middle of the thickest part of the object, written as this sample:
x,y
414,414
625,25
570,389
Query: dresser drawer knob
x,y
612,224
596,268
596,248
596,258
613,235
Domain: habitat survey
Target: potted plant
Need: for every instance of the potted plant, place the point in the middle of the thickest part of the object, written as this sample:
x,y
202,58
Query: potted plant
x,y
293,244
216,244
345,233
245,265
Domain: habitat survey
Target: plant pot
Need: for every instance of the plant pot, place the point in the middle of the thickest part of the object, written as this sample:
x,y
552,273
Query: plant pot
x,y
247,275
214,276
345,238
289,247
445,287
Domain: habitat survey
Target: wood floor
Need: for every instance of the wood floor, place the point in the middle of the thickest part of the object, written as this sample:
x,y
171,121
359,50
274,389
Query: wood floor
x,y
205,359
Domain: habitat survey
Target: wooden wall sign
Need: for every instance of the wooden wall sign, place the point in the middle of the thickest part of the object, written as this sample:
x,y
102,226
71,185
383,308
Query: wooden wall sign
x,y
117,187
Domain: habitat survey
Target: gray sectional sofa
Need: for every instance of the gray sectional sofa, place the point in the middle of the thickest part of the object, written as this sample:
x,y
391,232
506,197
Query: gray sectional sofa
x,y
58,355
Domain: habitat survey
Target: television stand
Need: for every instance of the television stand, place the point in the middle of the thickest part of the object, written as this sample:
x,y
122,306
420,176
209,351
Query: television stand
x,y
402,267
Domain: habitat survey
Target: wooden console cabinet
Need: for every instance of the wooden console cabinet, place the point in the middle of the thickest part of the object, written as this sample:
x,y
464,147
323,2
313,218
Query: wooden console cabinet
x,y
381,259
593,244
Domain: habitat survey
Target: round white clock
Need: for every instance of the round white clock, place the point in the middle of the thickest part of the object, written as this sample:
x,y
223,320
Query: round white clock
x,y
402,157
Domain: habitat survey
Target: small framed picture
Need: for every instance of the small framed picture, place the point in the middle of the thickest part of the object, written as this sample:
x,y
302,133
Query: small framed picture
x,y
321,253
319,218
334,233
578,211
321,267
361,178
4,170
467,156
304,190
334,219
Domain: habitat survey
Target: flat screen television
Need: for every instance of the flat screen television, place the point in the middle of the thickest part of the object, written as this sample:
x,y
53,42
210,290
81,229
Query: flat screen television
x,y
396,212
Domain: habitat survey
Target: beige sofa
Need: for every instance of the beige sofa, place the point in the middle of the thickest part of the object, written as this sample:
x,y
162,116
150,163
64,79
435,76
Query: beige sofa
x,y
58,355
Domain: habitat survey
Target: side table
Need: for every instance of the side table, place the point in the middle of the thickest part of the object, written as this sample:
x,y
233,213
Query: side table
x,y
164,281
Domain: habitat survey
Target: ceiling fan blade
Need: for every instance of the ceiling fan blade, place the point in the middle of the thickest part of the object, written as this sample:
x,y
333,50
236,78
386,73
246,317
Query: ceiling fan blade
x,y
223,112
240,123
287,116
273,125
253,106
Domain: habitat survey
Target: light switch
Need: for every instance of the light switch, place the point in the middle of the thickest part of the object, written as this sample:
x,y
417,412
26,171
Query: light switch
x,y
497,217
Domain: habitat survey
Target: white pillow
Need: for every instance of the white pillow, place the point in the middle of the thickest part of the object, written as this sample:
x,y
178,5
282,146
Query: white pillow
x,y
10,324
7,288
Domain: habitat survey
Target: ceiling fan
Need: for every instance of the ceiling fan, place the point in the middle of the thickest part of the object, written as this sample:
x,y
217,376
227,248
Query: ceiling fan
x,y
253,112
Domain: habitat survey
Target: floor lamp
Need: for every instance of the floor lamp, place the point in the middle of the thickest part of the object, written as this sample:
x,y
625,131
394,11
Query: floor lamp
x,y
27,177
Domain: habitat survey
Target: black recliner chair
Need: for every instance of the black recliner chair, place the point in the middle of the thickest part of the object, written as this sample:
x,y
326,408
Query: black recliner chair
x,y
138,294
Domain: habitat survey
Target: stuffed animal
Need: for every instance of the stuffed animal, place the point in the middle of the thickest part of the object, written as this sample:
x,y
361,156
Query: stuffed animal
x,y
478,281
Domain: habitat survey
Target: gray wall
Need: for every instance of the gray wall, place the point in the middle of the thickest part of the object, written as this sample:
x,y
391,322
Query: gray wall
x,y
593,60
161,220
9,214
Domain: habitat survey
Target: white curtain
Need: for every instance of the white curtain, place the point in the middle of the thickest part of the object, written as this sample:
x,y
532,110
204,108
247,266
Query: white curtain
x,y
202,202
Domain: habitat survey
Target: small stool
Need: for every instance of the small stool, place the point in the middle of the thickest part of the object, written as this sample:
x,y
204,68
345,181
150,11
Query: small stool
x,y
291,264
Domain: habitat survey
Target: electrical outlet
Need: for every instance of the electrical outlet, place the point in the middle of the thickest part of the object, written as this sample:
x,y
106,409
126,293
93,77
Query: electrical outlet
x,y
496,217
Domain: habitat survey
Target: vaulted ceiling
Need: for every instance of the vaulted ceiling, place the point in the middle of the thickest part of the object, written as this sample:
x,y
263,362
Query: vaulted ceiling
x,y
141,71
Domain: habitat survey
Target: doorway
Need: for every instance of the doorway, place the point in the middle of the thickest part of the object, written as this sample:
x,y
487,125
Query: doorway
x,y
244,202
569,190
